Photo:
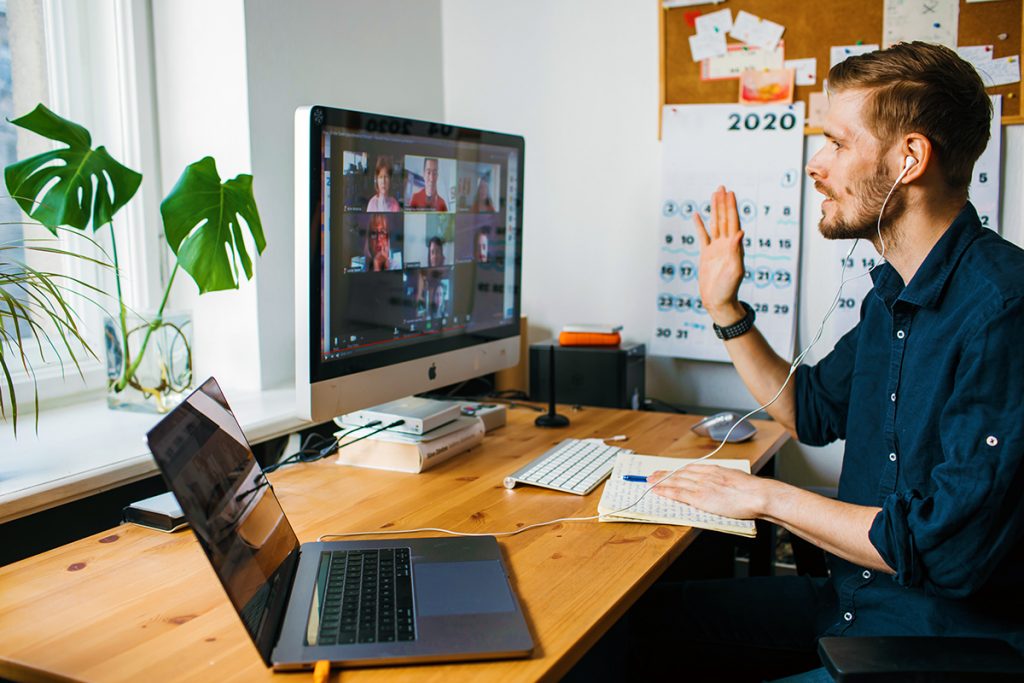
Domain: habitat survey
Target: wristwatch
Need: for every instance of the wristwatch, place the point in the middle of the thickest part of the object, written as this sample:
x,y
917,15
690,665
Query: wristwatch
x,y
736,329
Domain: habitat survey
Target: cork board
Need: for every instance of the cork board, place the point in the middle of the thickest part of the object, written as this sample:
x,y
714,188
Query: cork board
x,y
813,28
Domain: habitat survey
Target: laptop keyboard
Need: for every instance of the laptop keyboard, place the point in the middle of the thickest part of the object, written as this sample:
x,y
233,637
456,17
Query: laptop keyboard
x,y
368,598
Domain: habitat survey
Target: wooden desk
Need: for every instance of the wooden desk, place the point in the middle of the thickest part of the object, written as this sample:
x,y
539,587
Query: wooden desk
x,y
134,604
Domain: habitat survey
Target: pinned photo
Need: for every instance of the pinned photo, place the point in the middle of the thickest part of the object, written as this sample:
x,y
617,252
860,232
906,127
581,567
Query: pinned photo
x,y
774,86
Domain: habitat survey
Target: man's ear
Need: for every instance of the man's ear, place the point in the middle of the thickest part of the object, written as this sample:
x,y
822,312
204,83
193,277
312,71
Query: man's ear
x,y
919,148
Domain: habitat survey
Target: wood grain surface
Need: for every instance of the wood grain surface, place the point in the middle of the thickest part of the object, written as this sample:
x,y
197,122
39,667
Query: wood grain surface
x,y
133,604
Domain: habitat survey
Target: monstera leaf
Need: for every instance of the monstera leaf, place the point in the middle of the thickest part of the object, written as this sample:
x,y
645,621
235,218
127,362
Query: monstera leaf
x,y
201,220
70,185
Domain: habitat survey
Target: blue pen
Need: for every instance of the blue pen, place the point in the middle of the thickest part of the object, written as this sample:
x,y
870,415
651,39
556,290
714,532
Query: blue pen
x,y
639,478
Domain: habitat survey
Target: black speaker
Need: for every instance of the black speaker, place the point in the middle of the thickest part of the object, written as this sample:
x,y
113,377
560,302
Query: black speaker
x,y
609,377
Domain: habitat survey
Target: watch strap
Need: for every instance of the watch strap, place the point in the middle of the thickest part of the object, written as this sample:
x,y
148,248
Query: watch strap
x,y
743,326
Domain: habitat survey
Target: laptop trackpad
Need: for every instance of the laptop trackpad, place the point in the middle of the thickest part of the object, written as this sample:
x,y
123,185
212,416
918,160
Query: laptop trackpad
x,y
447,588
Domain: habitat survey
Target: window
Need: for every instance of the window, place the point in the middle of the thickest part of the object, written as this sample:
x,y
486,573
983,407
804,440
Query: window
x,y
88,61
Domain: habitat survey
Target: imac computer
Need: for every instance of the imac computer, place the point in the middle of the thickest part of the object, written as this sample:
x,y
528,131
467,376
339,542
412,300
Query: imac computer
x,y
407,259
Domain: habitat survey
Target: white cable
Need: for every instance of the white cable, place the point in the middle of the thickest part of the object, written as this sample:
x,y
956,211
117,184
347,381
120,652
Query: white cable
x,y
794,364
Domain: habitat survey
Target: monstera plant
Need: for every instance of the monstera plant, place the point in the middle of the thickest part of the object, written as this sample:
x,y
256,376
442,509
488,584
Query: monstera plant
x,y
81,187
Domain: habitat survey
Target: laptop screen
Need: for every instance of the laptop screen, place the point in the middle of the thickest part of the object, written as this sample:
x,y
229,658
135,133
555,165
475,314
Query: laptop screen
x,y
227,500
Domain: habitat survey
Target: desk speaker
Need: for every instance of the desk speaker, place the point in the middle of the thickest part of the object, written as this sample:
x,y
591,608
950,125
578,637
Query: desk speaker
x,y
590,375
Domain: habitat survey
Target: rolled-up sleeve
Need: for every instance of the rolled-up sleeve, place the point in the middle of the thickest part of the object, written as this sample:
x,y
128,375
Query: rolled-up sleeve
x,y
949,538
823,393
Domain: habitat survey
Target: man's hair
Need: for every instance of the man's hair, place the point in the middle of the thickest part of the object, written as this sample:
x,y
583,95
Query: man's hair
x,y
426,159
923,88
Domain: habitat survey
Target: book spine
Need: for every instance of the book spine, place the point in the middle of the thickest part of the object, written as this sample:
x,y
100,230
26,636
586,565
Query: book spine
x,y
439,450
588,339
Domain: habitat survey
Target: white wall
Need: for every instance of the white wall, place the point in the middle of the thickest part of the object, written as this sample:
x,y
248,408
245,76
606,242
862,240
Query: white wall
x,y
230,75
377,57
579,78
202,109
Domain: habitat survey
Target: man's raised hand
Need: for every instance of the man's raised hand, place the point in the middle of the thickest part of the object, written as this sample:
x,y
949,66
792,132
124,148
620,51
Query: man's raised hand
x,y
721,259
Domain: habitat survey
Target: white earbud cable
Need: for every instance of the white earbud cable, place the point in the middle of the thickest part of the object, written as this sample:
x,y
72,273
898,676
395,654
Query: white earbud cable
x,y
794,364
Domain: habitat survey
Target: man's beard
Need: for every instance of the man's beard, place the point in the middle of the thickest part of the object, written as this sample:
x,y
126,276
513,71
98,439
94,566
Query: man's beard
x,y
870,194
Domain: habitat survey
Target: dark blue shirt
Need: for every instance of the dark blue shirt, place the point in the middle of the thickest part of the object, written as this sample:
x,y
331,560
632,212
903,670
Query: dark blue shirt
x,y
928,391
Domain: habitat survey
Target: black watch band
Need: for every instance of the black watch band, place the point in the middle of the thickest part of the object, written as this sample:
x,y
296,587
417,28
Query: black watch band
x,y
736,329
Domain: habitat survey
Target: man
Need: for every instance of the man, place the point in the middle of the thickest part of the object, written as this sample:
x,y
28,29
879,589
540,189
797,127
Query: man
x,y
427,198
925,537
435,252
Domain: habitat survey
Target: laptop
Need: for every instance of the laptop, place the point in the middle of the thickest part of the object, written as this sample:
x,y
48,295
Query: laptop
x,y
398,601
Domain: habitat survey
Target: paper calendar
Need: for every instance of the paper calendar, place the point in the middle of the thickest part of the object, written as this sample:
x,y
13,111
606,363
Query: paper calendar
x,y
757,152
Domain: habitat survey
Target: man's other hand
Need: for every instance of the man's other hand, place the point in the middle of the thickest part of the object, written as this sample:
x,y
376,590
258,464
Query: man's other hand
x,y
714,489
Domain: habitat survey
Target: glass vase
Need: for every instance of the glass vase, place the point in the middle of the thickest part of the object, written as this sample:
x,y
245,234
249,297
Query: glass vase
x,y
163,376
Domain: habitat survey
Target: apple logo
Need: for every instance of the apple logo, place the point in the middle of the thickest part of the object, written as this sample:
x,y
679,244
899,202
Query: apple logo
x,y
432,372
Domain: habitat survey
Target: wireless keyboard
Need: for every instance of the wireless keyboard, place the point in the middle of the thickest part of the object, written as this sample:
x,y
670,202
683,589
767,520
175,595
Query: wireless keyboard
x,y
573,466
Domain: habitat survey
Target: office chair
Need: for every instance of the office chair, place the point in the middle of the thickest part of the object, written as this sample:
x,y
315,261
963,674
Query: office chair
x,y
914,658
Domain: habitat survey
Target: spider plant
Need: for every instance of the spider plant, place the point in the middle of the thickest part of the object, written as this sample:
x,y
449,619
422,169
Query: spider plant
x,y
34,306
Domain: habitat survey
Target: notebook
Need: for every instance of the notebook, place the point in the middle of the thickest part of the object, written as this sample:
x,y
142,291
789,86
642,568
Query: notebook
x,y
351,602
655,509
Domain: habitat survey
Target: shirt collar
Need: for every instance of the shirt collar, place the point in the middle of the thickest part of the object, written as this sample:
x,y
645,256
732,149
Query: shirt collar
x,y
926,287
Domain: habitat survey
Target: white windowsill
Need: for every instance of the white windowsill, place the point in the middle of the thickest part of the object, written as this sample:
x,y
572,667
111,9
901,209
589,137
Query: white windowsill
x,y
86,448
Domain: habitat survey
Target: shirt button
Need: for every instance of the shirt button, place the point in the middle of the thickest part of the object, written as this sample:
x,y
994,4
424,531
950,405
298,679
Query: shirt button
x,y
892,457
892,397
848,616
900,334
992,441
866,574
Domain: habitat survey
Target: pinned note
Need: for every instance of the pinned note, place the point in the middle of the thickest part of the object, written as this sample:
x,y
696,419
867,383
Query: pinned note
x,y
714,22
975,54
993,72
1001,71
707,45
817,107
806,70
933,21
744,26
839,53
738,59
754,30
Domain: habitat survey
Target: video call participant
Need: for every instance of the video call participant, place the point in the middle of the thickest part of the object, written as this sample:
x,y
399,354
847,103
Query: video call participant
x,y
481,246
435,250
438,303
382,200
427,198
377,250
927,534
482,202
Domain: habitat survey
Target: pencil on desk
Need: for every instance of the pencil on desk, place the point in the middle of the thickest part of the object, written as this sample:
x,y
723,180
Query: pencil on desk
x,y
322,671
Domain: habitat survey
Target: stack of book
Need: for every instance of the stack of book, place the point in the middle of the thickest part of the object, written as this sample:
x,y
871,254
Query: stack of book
x,y
402,452
590,335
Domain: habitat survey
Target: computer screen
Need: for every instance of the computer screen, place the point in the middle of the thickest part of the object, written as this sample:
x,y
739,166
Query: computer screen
x,y
410,235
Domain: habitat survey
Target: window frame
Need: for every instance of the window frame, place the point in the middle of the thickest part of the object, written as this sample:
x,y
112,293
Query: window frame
x,y
99,69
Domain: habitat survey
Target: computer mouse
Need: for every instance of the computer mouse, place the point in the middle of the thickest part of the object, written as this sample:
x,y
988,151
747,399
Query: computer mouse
x,y
717,426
